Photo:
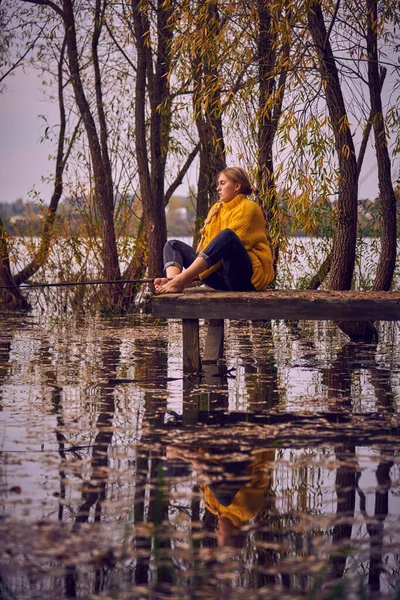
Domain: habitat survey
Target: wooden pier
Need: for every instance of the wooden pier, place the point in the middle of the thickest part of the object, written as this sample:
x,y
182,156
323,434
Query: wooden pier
x,y
203,303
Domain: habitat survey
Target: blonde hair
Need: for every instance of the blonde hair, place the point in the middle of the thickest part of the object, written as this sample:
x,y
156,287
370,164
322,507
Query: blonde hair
x,y
238,175
235,175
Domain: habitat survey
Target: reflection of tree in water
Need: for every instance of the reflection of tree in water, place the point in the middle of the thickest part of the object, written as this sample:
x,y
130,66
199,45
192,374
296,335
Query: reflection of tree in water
x,y
5,348
281,531
281,539
345,486
150,501
9,326
353,357
375,526
94,489
347,477
260,370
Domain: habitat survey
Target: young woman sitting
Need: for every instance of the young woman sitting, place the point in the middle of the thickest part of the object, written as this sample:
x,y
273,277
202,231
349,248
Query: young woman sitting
x,y
234,252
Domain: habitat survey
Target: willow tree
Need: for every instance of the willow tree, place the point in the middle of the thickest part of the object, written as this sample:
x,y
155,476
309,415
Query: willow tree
x,y
221,46
361,34
143,32
95,124
344,244
199,52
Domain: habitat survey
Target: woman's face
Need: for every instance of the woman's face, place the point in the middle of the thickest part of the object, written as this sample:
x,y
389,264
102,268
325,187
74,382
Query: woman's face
x,y
226,189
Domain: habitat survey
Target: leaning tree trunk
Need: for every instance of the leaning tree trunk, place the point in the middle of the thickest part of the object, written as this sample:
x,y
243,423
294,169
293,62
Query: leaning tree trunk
x,y
152,170
324,268
387,258
271,95
207,107
103,188
344,244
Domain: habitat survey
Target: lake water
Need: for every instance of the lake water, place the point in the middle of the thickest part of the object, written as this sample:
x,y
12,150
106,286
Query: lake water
x,y
274,475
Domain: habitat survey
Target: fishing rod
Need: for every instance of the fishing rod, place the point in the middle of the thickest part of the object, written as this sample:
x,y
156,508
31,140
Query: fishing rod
x,y
27,286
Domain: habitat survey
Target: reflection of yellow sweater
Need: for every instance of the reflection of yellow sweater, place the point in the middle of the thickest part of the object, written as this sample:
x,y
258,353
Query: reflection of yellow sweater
x,y
246,219
250,499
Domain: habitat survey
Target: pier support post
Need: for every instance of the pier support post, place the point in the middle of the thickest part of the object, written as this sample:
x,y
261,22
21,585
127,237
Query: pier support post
x,y
191,346
214,348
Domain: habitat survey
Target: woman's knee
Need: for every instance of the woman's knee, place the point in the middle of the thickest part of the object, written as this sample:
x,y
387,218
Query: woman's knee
x,y
169,252
228,235
170,244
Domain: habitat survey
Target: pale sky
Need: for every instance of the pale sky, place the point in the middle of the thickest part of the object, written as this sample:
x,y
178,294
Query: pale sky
x,y
24,160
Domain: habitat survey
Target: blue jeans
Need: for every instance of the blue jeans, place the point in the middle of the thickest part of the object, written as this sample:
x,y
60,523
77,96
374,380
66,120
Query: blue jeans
x,y
236,269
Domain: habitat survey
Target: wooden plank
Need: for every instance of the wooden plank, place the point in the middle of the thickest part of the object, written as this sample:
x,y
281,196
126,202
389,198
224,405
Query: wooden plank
x,y
214,346
279,304
191,346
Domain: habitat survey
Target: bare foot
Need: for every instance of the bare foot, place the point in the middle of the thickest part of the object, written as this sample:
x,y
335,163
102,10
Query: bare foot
x,y
174,286
160,281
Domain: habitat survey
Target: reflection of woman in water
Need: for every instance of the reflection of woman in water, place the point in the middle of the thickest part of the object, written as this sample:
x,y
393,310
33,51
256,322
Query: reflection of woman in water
x,y
235,498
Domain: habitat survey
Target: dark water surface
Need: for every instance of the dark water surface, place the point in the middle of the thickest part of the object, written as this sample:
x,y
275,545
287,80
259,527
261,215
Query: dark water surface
x,y
274,475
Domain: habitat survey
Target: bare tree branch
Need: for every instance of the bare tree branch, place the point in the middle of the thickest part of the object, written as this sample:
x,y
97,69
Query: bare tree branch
x,y
368,127
49,3
328,33
181,174
21,58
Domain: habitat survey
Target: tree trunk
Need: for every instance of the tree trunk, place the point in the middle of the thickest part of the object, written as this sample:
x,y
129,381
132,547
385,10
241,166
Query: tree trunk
x,y
11,298
344,244
324,269
211,163
208,113
387,258
151,178
343,255
106,196
269,111
160,129
137,266
103,189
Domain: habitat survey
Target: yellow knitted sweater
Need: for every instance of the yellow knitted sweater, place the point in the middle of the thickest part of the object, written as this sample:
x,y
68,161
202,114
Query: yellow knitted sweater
x,y
246,219
250,499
